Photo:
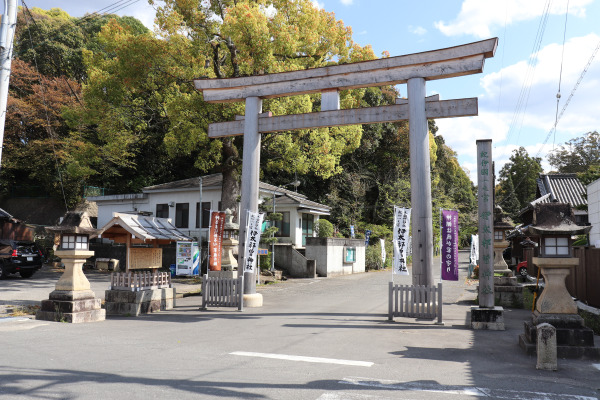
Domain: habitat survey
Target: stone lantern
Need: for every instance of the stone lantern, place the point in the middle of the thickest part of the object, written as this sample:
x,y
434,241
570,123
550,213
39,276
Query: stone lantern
x,y
229,263
73,300
502,225
554,224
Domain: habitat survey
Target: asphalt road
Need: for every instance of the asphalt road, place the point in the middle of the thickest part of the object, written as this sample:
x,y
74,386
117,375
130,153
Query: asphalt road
x,y
325,338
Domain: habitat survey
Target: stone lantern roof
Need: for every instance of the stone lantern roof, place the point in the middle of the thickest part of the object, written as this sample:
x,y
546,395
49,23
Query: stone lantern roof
x,y
75,222
555,218
501,219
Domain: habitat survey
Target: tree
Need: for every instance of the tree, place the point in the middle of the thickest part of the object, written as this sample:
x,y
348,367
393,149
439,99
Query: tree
x,y
507,197
580,155
523,171
144,84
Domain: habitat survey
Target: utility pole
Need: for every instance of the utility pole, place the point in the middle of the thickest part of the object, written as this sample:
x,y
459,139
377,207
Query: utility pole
x,y
7,34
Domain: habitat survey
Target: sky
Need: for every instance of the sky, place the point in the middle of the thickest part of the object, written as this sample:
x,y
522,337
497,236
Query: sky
x,y
542,48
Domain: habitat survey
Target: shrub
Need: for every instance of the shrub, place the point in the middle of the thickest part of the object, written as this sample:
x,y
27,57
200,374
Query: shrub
x,y
324,228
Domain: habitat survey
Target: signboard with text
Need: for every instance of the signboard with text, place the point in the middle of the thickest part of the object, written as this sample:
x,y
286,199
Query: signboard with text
x,y
449,256
401,236
253,230
485,216
217,224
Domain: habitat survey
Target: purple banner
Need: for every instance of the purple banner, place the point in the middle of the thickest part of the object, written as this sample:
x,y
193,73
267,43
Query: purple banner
x,y
449,257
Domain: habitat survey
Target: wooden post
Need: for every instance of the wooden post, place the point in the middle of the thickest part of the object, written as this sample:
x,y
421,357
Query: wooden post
x,y
420,182
250,175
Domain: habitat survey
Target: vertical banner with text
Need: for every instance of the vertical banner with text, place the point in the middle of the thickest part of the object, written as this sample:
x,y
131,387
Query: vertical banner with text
x,y
401,231
217,224
382,242
449,256
485,216
253,231
474,256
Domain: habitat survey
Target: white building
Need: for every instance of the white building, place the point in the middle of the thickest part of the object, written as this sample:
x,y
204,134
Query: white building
x,y
180,201
593,194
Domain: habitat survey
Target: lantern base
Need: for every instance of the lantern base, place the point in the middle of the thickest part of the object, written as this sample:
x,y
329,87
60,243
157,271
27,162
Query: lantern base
x,y
72,307
573,339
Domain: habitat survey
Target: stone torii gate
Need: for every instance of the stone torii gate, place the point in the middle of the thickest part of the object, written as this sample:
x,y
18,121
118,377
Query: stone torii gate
x,y
412,69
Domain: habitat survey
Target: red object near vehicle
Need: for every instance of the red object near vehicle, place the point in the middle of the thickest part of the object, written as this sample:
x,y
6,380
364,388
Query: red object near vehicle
x,y
522,268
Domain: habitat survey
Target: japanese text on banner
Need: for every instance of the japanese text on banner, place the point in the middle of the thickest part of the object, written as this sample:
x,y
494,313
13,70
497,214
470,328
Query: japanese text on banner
x,y
253,231
401,231
449,256
217,224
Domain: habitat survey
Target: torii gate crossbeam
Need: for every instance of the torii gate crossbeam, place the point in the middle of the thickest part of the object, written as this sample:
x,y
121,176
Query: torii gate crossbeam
x,y
412,69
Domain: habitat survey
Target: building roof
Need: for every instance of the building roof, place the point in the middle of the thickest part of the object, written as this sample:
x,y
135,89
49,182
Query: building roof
x,y
562,188
146,228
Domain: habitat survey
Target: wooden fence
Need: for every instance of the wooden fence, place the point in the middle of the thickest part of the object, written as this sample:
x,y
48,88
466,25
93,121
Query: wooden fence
x,y
415,302
584,280
222,292
136,281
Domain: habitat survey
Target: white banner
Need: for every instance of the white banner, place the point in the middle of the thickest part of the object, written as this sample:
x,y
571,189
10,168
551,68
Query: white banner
x,y
401,239
474,250
253,230
382,242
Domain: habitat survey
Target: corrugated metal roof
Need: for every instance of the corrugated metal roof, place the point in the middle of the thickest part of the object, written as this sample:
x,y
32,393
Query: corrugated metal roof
x,y
563,188
146,228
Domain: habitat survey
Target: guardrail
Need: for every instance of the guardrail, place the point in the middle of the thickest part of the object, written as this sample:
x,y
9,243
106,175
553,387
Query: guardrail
x,y
136,281
415,302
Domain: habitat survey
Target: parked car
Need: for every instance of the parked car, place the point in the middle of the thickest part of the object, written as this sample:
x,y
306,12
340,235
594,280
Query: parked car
x,y
522,268
19,256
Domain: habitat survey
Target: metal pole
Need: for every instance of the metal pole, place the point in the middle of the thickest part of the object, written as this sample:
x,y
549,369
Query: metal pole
x,y
273,242
200,227
7,33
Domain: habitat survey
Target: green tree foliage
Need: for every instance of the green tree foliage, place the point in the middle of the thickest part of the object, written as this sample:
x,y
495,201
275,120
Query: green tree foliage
x,y
577,155
324,228
580,155
523,171
507,199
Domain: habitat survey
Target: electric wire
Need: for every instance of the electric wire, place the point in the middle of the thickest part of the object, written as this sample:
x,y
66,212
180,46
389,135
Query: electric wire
x,y
562,56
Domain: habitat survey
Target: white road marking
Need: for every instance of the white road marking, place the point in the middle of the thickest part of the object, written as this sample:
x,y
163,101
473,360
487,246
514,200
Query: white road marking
x,y
460,390
597,366
302,358
348,396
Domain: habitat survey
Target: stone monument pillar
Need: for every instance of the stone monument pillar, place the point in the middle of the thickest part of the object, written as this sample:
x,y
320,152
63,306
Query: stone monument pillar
x,y
72,300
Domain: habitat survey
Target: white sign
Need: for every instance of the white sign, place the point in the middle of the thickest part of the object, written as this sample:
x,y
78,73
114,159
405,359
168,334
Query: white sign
x,y
401,239
382,242
474,250
253,230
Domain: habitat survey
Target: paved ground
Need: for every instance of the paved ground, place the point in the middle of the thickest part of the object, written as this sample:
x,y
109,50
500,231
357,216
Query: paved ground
x,y
325,338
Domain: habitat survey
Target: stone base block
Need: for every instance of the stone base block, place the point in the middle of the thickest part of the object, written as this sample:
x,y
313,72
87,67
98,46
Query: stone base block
x,y
73,306
487,318
253,300
573,339
223,274
505,281
73,318
509,296
127,303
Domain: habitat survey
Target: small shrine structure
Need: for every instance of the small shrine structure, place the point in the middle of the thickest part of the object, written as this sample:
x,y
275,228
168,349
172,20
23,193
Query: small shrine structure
x,y
136,290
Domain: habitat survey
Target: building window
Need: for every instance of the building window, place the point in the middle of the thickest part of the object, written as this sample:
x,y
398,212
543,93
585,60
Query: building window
x,y
283,225
497,235
162,211
182,215
205,214
556,246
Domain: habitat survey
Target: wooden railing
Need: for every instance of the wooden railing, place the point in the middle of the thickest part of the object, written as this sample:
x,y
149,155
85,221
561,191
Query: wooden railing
x,y
222,292
136,281
415,302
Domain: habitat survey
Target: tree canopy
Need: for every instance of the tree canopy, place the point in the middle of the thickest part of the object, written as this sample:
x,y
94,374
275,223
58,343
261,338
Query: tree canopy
x,y
523,171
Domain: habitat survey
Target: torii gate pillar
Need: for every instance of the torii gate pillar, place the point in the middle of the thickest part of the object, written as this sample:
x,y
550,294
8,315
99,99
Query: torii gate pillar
x,y
420,183
250,181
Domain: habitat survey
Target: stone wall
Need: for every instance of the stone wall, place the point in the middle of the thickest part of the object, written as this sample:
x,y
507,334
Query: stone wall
x,y
329,254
